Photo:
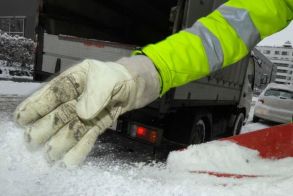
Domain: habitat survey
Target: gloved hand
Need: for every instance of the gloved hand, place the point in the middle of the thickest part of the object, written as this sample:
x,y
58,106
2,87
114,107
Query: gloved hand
x,y
72,110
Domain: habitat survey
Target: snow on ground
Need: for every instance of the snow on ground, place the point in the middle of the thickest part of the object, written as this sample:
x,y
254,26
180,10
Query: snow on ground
x,y
227,157
250,126
27,173
18,88
15,71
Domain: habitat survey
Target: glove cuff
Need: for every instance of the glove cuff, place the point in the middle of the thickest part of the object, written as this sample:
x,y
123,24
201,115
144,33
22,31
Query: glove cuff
x,y
147,78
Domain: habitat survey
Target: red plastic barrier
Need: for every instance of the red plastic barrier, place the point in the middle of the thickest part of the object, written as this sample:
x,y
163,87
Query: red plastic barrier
x,y
273,143
226,175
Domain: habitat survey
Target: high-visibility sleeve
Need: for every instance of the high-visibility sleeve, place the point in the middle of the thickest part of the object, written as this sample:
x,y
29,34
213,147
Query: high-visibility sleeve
x,y
218,40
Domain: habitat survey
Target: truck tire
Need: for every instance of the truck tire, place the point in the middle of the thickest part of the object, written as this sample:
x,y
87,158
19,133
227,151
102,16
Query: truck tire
x,y
198,132
255,119
237,125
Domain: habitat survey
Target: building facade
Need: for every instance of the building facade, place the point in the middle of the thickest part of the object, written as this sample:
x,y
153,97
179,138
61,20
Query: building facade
x,y
282,57
18,17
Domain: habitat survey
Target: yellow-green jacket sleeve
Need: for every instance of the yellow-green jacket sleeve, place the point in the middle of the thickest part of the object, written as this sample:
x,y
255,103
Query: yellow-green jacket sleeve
x,y
218,40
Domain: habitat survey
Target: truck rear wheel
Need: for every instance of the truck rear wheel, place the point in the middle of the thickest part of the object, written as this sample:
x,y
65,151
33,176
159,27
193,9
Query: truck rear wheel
x,y
198,132
255,119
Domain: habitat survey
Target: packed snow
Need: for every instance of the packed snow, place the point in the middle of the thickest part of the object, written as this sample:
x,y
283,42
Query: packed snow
x,y
27,173
18,88
227,157
14,72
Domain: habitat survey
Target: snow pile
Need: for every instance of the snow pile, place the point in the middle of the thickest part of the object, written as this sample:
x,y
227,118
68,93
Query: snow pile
x,y
14,72
26,173
253,126
227,157
18,88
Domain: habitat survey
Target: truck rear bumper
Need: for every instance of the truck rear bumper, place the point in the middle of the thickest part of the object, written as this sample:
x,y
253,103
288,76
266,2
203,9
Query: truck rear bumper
x,y
118,145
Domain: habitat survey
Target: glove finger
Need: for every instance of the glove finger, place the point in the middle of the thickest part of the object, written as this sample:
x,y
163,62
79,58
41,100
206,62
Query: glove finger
x,y
43,129
65,139
66,87
79,152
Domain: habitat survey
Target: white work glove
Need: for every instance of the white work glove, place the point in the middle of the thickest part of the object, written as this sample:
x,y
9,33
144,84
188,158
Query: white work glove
x,y
72,110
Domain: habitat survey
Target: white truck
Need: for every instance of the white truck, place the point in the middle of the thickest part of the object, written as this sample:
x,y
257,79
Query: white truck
x,y
212,107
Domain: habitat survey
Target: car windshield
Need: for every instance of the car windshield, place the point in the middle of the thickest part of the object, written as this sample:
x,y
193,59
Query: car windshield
x,y
279,93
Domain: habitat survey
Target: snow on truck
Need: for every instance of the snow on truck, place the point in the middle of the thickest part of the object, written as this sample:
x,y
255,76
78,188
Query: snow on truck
x,y
212,107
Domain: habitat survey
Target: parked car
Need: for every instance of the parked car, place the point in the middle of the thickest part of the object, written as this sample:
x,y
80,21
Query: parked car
x,y
275,103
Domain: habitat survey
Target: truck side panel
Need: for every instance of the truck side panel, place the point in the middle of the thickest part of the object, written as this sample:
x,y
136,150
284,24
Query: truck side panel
x,y
224,85
72,49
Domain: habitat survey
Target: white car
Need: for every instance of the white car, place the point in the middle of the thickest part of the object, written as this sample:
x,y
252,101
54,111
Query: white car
x,y
275,103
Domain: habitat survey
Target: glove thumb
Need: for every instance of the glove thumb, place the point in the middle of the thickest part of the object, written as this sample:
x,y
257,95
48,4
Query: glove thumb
x,y
102,78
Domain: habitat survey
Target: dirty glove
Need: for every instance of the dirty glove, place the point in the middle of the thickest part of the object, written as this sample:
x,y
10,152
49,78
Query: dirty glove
x,y
72,110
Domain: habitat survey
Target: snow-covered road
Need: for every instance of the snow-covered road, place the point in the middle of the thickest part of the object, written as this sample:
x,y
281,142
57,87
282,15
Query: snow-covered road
x,y
27,173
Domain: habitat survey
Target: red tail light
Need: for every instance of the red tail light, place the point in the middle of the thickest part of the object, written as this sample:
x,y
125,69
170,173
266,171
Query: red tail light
x,y
149,134
153,137
141,131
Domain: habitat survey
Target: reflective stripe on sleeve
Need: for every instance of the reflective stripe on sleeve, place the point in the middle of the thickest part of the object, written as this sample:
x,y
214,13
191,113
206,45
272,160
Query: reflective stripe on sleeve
x,y
211,45
240,20
268,16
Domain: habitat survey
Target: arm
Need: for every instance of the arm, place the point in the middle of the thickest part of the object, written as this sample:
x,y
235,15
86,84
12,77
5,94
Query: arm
x,y
221,39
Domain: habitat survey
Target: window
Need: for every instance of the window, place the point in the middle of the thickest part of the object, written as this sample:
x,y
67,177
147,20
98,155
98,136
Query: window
x,y
278,82
13,25
266,51
279,93
277,52
281,71
281,65
281,77
284,53
272,92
